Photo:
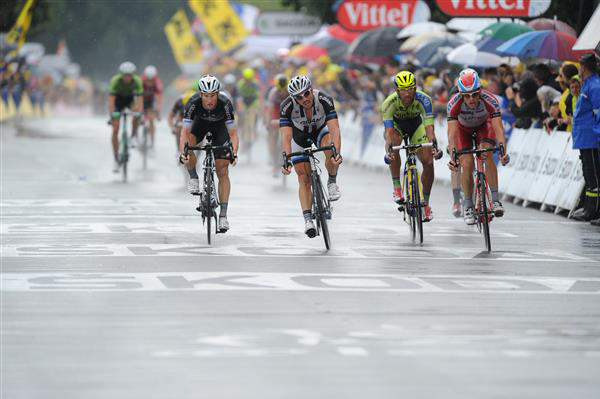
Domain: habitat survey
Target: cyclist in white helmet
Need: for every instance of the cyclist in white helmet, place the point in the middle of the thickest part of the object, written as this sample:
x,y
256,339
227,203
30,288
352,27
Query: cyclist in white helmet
x,y
308,117
125,91
153,89
210,111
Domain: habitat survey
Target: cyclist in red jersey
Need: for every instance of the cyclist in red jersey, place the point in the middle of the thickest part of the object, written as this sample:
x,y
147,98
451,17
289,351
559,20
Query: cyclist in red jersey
x,y
153,89
473,109
275,97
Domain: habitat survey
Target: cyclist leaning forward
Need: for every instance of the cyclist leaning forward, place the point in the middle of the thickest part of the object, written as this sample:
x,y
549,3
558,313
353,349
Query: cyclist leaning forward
x,y
308,117
470,110
408,112
125,91
210,111
275,97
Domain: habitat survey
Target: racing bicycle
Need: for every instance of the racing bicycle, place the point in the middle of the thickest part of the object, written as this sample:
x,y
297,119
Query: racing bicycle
x,y
414,202
484,206
321,206
209,200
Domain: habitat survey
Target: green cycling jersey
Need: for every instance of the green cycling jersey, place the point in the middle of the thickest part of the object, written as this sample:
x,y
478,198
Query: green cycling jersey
x,y
118,87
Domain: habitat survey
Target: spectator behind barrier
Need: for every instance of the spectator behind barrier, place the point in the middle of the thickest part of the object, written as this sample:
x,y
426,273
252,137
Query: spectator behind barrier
x,y
526,107
566,104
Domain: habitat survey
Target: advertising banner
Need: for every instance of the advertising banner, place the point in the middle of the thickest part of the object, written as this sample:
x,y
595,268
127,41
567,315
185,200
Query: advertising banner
x,y
493,8
287,23
222,24
362,15
186,49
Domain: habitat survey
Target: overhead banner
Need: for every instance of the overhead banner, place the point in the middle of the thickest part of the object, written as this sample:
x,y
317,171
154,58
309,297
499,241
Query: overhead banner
x,y
17,34
493,8
183,43
222,24
362,15
287,23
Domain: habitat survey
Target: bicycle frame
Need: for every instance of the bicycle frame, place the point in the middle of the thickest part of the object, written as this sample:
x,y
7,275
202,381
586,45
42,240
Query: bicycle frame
x,y
413,189
209,199
321,206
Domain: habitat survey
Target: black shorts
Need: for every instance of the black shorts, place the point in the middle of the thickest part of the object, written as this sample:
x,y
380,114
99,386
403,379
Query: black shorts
x,y
302,140
220,135
148,104
122,102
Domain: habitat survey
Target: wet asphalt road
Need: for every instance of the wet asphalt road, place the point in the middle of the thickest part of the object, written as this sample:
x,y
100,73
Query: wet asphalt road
x,y
110,291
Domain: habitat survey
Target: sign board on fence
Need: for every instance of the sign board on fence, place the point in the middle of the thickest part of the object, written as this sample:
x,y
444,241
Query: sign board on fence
x,y
362,15
506,174
571,191
493,8
287,23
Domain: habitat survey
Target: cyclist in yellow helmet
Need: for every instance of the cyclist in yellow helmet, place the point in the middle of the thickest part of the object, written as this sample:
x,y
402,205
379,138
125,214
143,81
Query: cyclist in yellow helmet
x,y
408,113
248,100
275,97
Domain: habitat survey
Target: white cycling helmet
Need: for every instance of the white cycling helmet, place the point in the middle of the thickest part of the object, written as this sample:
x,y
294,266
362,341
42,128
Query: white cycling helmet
x,y
209,84
298,84
127,68
229,79
150,71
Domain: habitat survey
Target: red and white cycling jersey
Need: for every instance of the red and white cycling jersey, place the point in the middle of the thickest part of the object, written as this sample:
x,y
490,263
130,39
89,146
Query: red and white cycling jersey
x,y
488,107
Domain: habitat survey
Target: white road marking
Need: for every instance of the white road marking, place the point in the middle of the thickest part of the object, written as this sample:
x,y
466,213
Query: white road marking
x,y
352,351
223,281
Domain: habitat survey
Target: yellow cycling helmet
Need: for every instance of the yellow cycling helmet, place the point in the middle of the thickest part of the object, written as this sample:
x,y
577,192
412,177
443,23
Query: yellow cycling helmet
x,y
248,73
404,80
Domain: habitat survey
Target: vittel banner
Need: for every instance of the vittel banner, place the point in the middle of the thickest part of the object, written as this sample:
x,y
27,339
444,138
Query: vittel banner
x,y
493,8
362,15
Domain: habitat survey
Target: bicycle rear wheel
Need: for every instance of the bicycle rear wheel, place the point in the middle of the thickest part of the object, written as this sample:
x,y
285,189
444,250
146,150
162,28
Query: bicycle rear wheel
x,y
408,206
321,210
125,155
418,210
484,214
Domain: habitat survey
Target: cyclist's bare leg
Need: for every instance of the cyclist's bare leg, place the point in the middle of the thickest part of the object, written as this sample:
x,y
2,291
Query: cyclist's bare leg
x,y
331,167
273,132
491,171
426,158
115,138
222,166
467,164
395,163
191,155
304,190
136,123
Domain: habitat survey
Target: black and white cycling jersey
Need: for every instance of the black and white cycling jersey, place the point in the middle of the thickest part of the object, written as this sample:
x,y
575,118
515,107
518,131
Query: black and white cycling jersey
x,y
306,132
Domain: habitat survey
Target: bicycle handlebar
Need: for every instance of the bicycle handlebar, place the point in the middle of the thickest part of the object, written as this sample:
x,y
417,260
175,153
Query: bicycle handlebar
x,y
210,147
411,146
478,151
310,151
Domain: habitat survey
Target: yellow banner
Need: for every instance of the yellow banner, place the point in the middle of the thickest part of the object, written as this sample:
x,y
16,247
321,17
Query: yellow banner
x,y
17,34
222,24
183,43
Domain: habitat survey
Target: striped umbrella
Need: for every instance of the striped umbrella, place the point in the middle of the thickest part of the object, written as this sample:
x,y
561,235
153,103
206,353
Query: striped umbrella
x,y
499,33
548,44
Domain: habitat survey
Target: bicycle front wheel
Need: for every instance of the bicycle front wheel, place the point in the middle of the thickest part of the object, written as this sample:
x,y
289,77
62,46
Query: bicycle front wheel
x,y
125,156
321,209
484,215
208,210
418,210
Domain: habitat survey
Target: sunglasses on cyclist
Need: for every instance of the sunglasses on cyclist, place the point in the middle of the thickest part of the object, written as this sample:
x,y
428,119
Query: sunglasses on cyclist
x,y
302,95
469,95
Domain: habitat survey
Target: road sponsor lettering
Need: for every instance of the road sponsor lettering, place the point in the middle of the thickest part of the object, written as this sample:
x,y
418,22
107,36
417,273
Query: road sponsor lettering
x,y
250,281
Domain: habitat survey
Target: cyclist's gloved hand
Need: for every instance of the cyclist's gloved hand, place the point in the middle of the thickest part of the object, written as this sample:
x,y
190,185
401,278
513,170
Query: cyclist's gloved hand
x,y
235,160
115,115
437,153
389,152
454,166
184,159
338,159
505,159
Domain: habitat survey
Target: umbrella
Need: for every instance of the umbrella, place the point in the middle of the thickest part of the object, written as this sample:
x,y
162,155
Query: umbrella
x,y
551,24
337,32
499,33
307,53
468,54
334,48
433,53
548,44
415,41
375,46
420,27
